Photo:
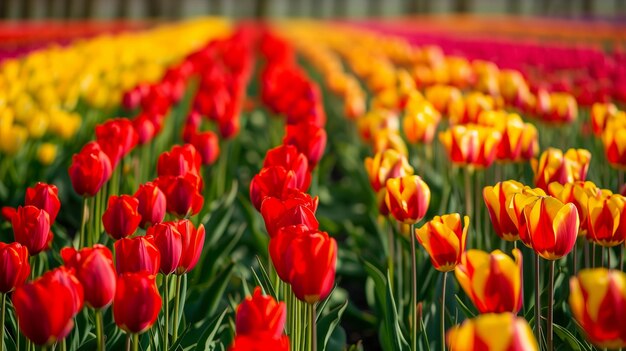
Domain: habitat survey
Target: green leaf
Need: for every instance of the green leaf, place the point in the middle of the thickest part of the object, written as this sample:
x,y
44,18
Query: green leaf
x,y
207,339
327,324
466,310
206,297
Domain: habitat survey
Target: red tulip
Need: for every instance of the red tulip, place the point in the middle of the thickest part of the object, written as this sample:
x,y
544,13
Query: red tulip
x,y
182,194
309,139
291,159
138,254
179,161
152,204
168,240
31,227
14,266
45,197
208,146
192,242
137,302
145,128
261,314
297,208
260,342
273,181
8,212
117,137
121,217
90,169
311,259
45,308
94,269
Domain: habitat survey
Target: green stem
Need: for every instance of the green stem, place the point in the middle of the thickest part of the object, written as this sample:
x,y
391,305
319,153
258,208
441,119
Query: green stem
x,y
63,345
413,292
99,331
313,328
166,311
128,337
537,301
83,222
176,308
551,307
3,298
443,312
468,196
390,252
136,342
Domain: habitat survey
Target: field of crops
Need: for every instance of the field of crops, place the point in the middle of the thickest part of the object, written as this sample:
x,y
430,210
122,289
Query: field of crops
x,y
312,185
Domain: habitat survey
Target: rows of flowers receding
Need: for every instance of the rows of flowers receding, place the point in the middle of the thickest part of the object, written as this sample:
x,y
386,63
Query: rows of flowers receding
x,y
145,244
546,219
302,256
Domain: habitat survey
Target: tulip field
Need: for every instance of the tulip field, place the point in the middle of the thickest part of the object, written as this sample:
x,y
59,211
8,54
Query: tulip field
x,y
311,185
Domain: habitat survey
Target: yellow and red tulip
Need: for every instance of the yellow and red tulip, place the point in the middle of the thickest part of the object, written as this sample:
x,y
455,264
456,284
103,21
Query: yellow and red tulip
x,y
577,193
492,332
497,199
444,238
603,216
556,166
493,281
614,141
420,122
598,302
471,145
407,198
385,165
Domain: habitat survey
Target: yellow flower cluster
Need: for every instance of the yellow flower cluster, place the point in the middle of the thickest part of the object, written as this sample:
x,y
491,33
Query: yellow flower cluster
x,y
40,93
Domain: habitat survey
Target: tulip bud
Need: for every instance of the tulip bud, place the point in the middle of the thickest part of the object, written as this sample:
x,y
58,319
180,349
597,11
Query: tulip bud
x,y
261,314
121,217
94,269
297,208
45,197
137,302
407,198
288,157
168,240
309,139
152,204
14,266
138,254
554,166
45,308
207,144
179,161
117,137
494,282
470,144
491,332
273,181
603,216
497,199
182,194
31,227
192,245
444,238
90,169
259,342
386,165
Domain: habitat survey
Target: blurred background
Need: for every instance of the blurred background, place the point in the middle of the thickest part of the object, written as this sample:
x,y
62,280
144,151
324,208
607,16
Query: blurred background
x,y
172,9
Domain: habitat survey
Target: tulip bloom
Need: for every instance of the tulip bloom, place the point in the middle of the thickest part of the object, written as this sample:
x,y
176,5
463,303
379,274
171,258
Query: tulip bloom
x,y
121,218
444,238
138,254
600,114
14,266
470,144
297,208
309,139
603,216
45,308
420,122
168,240
291,159
94,269
497,199
614,141
182,194
207,144
90,169
386,165
491,332
311,260
579,194
493,281
192,245
515,208
117,137
152,204
31,227
137,302
407,198
45,197
278,246
551,227
261,314
273,181
598,302
554,166
260,342
179,161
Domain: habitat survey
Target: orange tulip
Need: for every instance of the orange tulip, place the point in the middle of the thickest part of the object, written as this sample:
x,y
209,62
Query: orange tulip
x,y
442,96
420,122
551,226
600,114
497,199
515,208
470,144
614,141
492,332
554,166
389,139
407,198
603,216
444,239
467,110
493,281
385,165
598,302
